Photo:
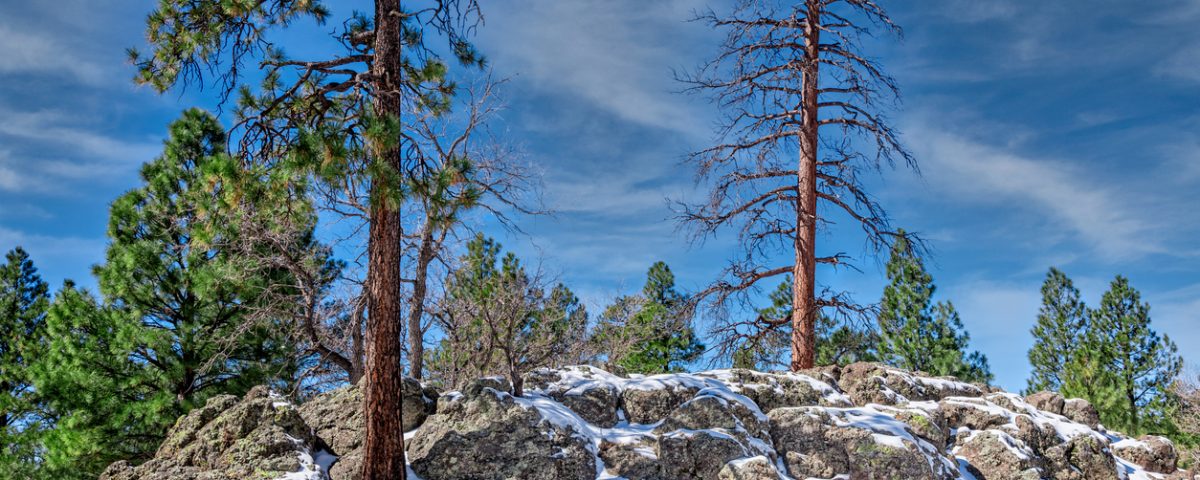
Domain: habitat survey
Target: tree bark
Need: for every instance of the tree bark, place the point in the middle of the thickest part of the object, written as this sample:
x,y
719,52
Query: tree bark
x,y
804,270
383,445
416,309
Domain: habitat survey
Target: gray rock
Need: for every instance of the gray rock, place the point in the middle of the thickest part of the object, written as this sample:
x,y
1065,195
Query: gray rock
x,y
1081,458
650,406
696,454
597,404
1154,453
711,412
1047,401
487,434
633,461
993,454
770,391
813,444
1079,410
753,468
226,439
867,382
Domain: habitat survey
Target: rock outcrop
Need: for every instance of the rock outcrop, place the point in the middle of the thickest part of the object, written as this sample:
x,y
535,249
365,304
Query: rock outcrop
x,y
861,421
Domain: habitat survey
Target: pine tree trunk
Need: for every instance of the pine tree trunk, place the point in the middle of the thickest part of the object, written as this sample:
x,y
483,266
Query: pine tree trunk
x,y
416,337
383,445
804,270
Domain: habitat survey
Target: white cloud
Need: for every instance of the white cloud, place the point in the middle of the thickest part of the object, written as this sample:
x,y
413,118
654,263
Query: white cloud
x,y
610,53
1181,64
1106,216
43,53
55,149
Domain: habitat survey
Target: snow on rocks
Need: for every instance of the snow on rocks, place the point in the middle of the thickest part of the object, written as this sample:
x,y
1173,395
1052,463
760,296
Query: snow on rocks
x,y
863,420
862,442
1151,452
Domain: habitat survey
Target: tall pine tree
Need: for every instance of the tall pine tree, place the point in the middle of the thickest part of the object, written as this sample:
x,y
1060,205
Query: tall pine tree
x,y
1061,323
172,329
1142,363
24,300
917,335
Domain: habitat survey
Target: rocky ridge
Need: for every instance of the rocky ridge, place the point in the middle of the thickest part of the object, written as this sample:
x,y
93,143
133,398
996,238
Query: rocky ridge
x,y
861,421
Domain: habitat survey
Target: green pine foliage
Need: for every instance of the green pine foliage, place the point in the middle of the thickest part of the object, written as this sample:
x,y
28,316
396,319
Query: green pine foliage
x,y
1142,364
838,343
916,334
499,319
171,329
656,326
24,301
1061,323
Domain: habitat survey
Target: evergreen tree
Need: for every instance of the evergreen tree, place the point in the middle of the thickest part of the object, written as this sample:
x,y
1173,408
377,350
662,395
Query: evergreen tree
x,y
838,343
23,304
500,319
916,335
659,331
1142,363
1061,324
172,330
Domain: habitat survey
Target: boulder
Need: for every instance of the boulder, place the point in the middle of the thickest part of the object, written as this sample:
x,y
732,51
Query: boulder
x,y
1079,410
929,424
776,390
1081,458
867,382
973,413
632,461
259,436
713,412
489,434
1153,453
337,418
588,391
1047,402
596,403
752,468
858,442
994,454
696,454
650,405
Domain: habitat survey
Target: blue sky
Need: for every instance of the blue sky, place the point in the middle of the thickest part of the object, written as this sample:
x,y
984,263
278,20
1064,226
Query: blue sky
x,y
1048,133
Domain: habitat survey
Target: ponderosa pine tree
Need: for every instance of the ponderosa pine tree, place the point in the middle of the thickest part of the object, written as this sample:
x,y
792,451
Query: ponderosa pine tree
x,y
340,117
916,334
1061,324
838,343
1142,363
804,118
24,300
657,332
172,329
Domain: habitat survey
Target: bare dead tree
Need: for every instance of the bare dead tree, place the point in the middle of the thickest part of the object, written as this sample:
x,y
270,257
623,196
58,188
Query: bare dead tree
x,y
500,319
460,167
804,118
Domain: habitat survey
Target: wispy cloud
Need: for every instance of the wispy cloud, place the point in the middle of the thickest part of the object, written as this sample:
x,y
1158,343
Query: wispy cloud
x,y
47,149
40,52
1182,64
616,54
1099,213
